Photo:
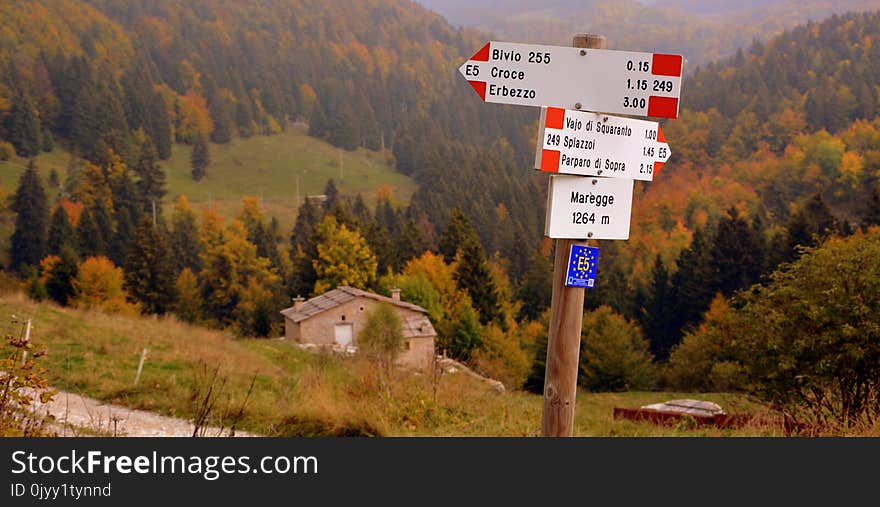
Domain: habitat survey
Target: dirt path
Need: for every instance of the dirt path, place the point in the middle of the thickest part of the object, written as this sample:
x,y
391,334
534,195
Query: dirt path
x,y
77,415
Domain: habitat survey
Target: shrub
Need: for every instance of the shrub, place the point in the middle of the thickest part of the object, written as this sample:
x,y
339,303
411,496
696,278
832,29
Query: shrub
x,y
501,357
7,151
705,359
614,354
382,337
810,339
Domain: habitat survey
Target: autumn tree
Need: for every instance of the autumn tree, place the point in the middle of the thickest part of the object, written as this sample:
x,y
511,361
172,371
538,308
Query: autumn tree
x,y
344,258
99,284
235,281
188,297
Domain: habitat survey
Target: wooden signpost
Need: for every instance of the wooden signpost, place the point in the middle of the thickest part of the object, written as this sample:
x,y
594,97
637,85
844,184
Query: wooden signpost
x,y
596,157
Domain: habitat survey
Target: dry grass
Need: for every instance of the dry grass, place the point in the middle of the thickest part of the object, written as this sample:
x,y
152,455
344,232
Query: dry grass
x,y
300,393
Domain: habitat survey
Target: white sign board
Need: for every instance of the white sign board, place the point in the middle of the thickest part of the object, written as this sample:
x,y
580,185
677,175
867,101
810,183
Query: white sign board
x,y
588,208
599,80
591,144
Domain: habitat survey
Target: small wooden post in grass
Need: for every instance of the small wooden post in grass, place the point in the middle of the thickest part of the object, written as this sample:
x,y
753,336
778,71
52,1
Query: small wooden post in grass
x,y
140,366
27,339
566,320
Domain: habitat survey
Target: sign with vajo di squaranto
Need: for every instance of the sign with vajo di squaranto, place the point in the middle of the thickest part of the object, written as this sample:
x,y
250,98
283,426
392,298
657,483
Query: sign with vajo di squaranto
x,y
591,144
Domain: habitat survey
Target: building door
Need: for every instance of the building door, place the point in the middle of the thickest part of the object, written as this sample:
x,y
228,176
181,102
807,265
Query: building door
x,y
343,334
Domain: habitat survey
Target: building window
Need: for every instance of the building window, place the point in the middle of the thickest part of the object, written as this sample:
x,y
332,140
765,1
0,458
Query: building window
x,y
361,308
408,345
343,318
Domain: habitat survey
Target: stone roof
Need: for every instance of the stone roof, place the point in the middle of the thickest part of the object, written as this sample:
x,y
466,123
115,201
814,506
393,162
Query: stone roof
x,y
418,327
341,295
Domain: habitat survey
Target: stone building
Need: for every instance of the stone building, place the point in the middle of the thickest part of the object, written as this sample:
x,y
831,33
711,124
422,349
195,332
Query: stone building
x,y
335,318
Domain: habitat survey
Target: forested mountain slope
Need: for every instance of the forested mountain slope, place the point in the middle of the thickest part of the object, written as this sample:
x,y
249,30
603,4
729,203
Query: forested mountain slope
x,y
701,30
376,74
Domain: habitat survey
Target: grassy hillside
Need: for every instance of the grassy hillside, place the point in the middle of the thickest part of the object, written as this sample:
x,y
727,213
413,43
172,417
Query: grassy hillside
x,y
267,166
297,393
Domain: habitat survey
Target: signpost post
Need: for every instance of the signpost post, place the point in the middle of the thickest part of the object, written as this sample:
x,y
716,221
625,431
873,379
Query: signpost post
x,y
564,333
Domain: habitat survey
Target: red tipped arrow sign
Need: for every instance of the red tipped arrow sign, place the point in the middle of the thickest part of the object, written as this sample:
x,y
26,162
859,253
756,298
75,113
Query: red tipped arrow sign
x,y
601,80
591,144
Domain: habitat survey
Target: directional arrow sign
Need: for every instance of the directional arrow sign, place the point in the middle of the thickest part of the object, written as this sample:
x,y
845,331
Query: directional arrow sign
x,y
584,208
590,144
601,80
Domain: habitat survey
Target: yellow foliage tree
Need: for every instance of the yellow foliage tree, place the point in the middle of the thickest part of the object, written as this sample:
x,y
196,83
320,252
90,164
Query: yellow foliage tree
x,y
344,257
98,284
193,118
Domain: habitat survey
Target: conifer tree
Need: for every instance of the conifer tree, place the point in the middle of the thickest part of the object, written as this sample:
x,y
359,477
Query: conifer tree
x,y
199,158
61,232
94,231
59,284
151,177
535,381
332,194
872,211
657,313
158,126
735,255
244,118
472,274
345,128
303,248
221,114
318,122
149,275
691,292
810,225
22,126
458,231
127,210
185,246
28,242
536,289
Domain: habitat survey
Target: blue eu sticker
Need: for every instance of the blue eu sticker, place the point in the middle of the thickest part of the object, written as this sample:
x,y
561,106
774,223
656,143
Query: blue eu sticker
x,y
582,267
